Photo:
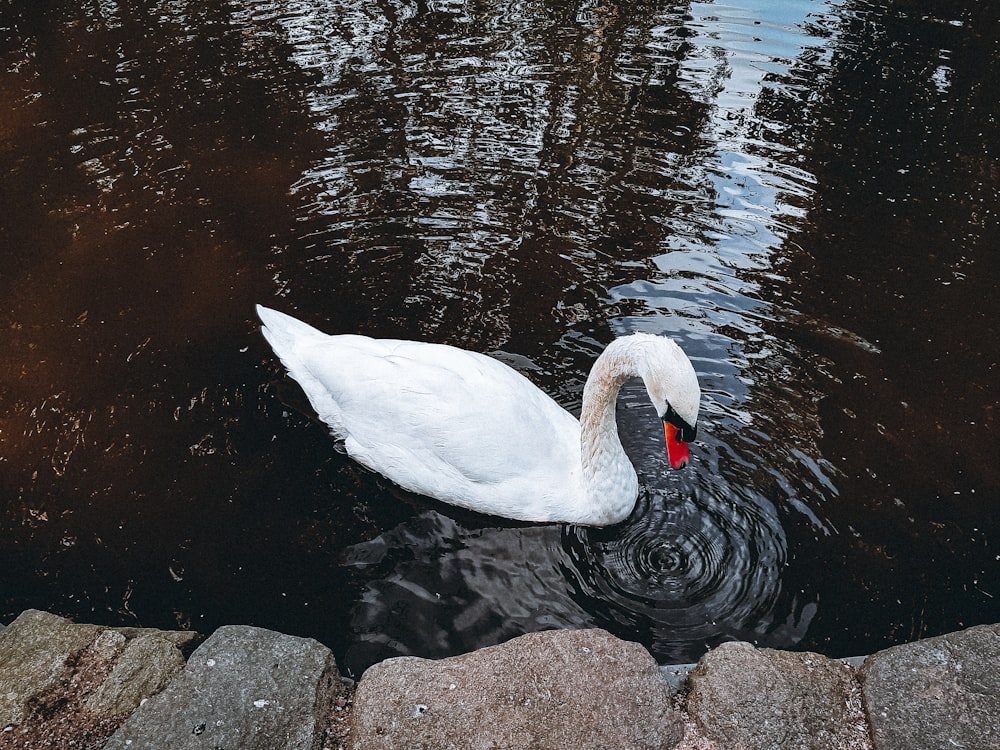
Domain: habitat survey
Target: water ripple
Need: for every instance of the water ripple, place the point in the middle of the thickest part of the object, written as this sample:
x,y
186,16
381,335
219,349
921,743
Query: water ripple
x,y
702,569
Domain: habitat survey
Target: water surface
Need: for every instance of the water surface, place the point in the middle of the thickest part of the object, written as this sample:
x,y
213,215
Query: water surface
x,y
804,194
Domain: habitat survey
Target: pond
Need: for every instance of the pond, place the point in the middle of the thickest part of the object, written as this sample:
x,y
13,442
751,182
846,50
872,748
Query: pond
x,y
803,194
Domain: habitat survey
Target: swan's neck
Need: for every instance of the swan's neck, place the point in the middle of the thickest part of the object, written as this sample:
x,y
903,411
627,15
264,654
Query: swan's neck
x,y
608,476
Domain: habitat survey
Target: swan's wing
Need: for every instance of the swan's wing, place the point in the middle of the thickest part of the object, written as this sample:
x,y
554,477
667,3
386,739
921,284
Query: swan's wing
x,y
444,422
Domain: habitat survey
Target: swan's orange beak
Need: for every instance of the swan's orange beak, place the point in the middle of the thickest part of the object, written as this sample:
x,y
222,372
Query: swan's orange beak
x,y
677,449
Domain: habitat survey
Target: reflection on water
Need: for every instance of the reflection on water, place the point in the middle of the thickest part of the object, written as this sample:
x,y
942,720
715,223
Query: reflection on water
x,y
803,193
433,587
687,568
690,569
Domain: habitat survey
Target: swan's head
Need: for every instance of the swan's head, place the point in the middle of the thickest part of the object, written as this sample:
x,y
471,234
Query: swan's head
x,y
673,388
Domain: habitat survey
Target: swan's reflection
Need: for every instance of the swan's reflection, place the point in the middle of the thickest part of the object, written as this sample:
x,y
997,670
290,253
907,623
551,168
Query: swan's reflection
x,y
433,588
683,573
693,569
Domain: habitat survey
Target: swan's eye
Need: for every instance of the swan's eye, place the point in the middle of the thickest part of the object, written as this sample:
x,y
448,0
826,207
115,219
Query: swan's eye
x,y
687,432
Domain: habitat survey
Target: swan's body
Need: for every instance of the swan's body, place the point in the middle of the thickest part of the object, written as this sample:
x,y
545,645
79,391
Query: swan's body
x,y
466,429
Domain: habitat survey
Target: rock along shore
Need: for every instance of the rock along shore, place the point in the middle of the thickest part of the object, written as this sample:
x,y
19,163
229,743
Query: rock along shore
x,y
67,685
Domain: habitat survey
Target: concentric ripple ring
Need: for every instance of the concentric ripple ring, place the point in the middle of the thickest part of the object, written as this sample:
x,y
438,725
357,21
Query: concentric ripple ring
x,y
702,568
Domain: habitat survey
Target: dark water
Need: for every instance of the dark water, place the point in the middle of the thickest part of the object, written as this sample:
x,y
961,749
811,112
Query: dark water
x,y
804,194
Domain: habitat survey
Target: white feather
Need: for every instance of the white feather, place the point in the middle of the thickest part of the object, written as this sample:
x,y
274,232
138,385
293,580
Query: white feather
x,y
467,429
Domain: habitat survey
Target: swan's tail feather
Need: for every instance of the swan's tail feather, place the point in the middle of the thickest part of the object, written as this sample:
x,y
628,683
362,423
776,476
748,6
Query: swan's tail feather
x,y
283,331
286,335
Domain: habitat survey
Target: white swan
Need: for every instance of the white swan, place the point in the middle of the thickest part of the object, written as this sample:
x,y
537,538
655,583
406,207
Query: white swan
x,y
464,428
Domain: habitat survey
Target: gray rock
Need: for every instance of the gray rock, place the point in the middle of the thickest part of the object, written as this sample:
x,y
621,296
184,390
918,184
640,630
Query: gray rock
x,y
36,654
676,675
144,667
937,693
64,685
184,640
760,699
557,689
243,688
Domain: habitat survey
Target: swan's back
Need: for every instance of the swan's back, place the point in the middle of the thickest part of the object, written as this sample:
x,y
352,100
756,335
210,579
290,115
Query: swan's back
x,y
439,421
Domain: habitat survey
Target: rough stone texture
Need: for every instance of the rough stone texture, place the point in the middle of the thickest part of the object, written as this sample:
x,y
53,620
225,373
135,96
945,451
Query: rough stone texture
x,y
935,694
69,686
144,667
243,688
558,689
36,652
64,685
760,699
184,640
676,675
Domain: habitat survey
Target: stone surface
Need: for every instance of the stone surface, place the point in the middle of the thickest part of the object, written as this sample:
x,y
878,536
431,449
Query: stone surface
x,y
36,653
143,668
184,640
243,688
939,693
557,689
676,675
760,699
68,685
